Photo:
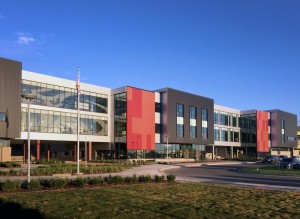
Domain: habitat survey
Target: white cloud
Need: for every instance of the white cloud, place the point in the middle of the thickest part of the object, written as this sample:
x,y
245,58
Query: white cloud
x,y
25,39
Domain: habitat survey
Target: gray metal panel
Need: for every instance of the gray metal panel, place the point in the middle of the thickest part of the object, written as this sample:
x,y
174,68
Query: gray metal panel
x,y
170,97
290,128
10,97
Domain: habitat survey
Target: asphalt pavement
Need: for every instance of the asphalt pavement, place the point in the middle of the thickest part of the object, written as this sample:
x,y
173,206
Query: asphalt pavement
x,y
149,169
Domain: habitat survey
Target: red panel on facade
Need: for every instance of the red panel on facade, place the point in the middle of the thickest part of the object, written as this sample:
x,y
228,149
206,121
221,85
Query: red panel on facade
x,y
140,119
262,131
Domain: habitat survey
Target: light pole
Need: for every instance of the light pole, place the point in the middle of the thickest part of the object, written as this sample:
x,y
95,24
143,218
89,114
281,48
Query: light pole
x,y
28,98
167,137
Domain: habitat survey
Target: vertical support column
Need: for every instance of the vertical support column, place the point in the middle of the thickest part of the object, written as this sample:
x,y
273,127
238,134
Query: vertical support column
x,y
75,152
90,151
231,152
38,149
24,152
48,153
213,152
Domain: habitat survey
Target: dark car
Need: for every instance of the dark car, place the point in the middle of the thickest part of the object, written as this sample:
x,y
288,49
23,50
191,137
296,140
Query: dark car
x,y
289,163
281,157
273,159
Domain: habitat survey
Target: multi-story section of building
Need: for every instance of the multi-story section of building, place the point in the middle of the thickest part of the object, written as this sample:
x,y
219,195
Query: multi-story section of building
x,y
187,124
227,143
129,122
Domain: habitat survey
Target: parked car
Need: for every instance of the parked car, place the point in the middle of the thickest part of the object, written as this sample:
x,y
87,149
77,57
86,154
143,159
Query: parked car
x,y
296,166
289,163
273,159
281,157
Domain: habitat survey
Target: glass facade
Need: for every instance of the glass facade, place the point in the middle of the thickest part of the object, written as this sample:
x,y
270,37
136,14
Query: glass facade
x,y
224,118
120,114
248,128
63,97
226,134
47,121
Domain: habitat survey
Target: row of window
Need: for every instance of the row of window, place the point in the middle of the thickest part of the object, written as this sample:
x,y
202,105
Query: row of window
x,y
47,121
193,122
63,97
224,134
224,118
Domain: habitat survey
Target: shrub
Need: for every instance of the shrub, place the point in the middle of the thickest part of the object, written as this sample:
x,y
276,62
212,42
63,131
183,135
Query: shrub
x,y
146,178
131,179
96,181
159,178
57,183
171,178
9,164
108,179
33,185
9,186
117,179
79,182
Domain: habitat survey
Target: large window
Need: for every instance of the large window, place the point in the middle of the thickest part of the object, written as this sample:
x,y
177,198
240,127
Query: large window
x,y
120,114
204,131
180,120
47,121
63,97
2,117
193,122
282,124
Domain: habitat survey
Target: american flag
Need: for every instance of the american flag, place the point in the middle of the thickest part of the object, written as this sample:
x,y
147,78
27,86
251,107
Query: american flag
x,y
77,82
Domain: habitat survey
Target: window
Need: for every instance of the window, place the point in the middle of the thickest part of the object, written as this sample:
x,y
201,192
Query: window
x,y
63,97
193,112
282,131
179,130
216,117
2,117
193,132
290,138
180,122
158,107
234,120
193,122
204,115
157,128
180,110
204,130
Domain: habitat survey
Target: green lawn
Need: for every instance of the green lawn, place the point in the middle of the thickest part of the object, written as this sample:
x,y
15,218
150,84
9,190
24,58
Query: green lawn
x,y
273,170
152,200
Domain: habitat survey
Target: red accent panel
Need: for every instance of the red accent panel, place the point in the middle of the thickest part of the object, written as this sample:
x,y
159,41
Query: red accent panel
x,y
262,131
140,119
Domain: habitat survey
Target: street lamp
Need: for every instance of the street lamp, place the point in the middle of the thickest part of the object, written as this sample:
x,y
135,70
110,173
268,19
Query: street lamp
x,y
167,137
28,98
85,147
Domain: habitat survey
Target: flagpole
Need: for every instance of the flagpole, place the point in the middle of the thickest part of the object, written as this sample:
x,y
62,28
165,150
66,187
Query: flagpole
x,y
78,117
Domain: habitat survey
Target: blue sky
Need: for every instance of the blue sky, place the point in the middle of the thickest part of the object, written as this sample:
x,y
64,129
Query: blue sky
x,y
245,54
